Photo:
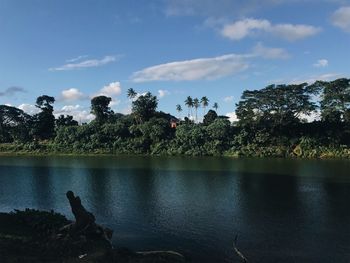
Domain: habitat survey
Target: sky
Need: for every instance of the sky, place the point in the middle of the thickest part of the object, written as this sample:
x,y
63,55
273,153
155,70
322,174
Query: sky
x,y
77,49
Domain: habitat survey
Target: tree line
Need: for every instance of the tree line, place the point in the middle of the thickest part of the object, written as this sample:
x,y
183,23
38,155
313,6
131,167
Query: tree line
x,y
271,122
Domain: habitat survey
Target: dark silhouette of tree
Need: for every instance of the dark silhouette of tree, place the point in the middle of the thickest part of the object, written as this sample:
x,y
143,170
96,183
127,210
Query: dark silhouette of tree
x,y
335,103
14,124
196,105
45,102
100,108
189,104
205,103
44,121
275,106
144,107
66,121
179,110
131,93
215,106
210,117
271,123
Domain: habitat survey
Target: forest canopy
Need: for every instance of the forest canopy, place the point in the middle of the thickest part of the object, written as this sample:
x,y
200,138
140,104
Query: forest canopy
x,y
272,121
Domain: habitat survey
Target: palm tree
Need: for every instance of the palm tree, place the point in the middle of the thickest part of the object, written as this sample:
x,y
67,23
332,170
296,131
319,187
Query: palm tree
x,y
196,105
189,104
216,106
205,103
131,93
179,110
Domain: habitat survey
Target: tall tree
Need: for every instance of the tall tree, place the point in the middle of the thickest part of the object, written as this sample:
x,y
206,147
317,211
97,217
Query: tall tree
x,y
131,93
275,105
100,108
215,106
210,117
44,126
335,103
145,106
189,104
14,124
205,103
196,105
179,110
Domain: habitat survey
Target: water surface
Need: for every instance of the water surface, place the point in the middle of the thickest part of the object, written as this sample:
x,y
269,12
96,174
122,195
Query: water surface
x,y
281,210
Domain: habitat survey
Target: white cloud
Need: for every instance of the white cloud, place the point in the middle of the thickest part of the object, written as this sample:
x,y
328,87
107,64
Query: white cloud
x,y
78,112
341,18
314,78
76,59
72,94
29,108
228,99
250,27
294,32
314,116
163,93
112,89
244,28
321,63
195,69
270,53
232,116
206,68
85,64
70,108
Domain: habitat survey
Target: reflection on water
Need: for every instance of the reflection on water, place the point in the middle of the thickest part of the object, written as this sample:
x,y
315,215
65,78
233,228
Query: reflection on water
x,y
282,210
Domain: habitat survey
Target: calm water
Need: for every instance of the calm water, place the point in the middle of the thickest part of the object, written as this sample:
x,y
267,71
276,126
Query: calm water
x,y
281,210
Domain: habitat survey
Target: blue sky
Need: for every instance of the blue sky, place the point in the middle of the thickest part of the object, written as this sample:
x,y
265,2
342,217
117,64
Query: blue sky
x,y
74,50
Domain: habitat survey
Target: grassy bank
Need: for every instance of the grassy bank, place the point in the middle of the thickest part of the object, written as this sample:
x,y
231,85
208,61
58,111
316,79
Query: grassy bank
x,y
252,150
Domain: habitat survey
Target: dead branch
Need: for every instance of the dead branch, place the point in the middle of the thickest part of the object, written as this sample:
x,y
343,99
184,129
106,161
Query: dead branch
x,y
238,252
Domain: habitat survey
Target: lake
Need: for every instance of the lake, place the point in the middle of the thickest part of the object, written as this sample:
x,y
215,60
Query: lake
x,y
281,210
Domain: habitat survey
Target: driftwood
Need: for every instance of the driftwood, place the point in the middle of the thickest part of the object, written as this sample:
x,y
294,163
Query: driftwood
x,y
238,252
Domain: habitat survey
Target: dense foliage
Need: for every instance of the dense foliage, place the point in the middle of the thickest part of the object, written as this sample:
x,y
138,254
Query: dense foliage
x,y
271,122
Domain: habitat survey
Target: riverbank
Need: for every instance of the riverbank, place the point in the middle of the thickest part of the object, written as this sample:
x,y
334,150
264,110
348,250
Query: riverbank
x,y
252,150
33,236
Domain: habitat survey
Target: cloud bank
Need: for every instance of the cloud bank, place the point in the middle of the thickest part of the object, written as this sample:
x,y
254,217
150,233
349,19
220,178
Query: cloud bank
x,y
79,113
195,69
207,68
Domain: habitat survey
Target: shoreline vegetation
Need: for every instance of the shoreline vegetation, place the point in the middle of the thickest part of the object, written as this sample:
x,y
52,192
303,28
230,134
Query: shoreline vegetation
x,y
271,122
321,152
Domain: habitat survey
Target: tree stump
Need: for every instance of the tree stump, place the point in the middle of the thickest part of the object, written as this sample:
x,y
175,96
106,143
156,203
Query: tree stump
x,y
83,218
